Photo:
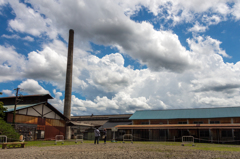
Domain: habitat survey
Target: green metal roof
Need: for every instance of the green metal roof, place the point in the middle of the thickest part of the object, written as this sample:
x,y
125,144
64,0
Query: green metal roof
x,y
20,106
220,112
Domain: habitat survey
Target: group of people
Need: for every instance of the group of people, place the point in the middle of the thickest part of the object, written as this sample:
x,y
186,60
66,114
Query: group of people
x,y
98,135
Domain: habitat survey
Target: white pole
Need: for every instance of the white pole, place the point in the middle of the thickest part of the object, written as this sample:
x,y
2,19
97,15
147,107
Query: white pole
x,y
114,136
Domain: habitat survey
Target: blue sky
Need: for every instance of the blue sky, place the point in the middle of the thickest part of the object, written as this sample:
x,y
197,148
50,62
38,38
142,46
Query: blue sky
x,y
128,55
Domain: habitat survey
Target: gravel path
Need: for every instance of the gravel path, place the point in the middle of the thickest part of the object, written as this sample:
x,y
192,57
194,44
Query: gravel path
x,y
114,150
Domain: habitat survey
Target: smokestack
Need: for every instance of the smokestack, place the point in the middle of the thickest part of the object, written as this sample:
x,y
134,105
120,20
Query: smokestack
x,y
68,85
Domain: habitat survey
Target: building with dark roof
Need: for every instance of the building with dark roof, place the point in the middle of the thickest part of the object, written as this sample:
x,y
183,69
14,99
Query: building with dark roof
x,y
85,124
26,99
35,118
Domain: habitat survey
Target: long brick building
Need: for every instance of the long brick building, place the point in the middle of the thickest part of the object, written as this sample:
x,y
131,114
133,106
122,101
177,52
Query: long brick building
x,y
205,124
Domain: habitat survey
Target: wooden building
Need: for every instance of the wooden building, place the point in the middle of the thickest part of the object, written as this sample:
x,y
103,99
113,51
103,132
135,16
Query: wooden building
x,y
219,125
35,118
86,124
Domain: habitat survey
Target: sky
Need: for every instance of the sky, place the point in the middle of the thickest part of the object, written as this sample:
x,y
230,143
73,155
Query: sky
x,y
128,55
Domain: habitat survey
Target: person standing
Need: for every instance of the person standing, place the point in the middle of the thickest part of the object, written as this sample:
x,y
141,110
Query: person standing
x,y
105,135
97,135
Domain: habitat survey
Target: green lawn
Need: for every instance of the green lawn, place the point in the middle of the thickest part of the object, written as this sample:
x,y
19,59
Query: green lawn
x,y
216,147
52,143
48,143
198,146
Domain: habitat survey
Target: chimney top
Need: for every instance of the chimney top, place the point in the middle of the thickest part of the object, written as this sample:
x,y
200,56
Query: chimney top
x,y
71,30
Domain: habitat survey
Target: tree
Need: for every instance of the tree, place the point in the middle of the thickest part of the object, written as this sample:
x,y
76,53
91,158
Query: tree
x,y
8,130
5,128
2,110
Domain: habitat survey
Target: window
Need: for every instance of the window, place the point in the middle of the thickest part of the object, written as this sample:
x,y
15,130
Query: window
x,y
182,122
40,134
204,133
226,133
183,132
214,122
162,132
121,132
197,122
145,123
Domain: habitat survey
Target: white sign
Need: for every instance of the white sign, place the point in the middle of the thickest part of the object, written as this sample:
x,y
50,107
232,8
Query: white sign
x,y
114,129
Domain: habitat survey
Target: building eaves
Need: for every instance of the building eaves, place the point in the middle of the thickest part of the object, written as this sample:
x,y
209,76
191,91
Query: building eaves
x,y
36,95
181,126
10,108
219,112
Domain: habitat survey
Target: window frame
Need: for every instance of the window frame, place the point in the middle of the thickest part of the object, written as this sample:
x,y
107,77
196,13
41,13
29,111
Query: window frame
x,y
198,122
182,122
215,122
226,133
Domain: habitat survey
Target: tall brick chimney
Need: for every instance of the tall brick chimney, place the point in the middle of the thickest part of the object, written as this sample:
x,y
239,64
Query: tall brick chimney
x,y
68,85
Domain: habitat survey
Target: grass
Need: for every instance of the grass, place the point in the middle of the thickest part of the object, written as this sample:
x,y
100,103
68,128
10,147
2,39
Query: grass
x,y
198,146
216,147
52,143
155,143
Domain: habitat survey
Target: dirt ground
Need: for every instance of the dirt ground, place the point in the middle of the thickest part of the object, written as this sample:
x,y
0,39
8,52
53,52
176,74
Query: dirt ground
x,y
114,150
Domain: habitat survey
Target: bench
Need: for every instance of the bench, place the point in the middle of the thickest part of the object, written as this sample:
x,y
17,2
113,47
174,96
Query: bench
x,y
13,145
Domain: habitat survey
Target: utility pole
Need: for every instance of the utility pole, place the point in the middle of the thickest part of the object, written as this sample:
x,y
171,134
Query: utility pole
x,y
16,99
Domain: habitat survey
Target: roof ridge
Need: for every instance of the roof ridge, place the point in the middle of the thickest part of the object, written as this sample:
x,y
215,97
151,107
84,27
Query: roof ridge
x,y
190,108
100,115
28,96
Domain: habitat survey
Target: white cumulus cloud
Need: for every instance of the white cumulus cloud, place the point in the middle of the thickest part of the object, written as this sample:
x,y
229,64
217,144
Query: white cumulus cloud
x,y
31,86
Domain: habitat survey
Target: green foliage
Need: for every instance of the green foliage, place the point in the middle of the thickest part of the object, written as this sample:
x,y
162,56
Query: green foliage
x,y
2,110
8,130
